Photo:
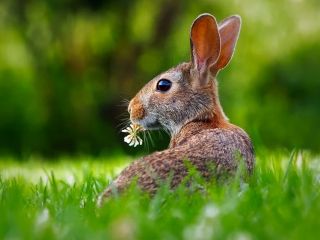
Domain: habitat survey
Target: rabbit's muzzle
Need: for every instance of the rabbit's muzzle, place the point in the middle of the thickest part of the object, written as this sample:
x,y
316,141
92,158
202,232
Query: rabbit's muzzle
x,y
136,110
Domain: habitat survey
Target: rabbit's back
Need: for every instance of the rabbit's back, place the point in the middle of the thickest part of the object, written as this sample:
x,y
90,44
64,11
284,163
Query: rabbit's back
x,y
210,151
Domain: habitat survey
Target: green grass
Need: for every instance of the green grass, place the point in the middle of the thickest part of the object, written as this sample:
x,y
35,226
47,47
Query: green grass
x,y
42,200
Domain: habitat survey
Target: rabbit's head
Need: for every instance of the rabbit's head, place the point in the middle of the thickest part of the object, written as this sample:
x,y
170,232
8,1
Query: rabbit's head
x,y
188,92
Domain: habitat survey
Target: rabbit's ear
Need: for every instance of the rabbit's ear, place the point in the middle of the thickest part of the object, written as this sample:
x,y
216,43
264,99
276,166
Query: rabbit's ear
x,y
229,30
205,43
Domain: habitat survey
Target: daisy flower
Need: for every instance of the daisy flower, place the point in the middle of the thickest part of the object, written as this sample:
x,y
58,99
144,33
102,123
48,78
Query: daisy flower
x,y
132,138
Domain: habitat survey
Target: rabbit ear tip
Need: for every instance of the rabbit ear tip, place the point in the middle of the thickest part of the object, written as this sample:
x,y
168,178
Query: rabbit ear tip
x,y
235,17
203,16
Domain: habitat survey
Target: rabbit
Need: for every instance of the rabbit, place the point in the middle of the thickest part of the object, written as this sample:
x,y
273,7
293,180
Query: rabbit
x,y
184,101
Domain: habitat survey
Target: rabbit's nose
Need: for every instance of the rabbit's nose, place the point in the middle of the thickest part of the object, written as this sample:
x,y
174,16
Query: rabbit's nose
x,y
136,109
129,107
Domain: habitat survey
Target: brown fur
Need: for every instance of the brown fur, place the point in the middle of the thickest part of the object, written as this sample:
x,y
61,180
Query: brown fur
x,y
137,111
191,112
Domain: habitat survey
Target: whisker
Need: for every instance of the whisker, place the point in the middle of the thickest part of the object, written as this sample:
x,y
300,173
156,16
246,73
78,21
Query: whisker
x,y
123,124
125,101
160,135
123,115
150,138
145,139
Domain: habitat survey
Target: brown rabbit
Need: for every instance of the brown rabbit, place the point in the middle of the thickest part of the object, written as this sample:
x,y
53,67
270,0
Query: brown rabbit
x,y
184,100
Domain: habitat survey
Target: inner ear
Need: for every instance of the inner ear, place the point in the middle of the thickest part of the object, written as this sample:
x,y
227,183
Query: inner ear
x,y
229,30
205,42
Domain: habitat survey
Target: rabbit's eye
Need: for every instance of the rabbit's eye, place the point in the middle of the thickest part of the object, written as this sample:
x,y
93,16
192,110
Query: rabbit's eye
x,y
163,85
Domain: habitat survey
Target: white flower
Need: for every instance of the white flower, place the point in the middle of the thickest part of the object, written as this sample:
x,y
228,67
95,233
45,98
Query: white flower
x,y
132,138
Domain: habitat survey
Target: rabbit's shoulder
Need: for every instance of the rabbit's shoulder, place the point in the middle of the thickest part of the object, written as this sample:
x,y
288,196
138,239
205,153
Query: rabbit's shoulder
x,y
222,144
228,135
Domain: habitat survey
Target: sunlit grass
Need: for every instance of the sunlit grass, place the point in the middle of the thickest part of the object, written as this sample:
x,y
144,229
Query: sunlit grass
x,y
280,201
67,169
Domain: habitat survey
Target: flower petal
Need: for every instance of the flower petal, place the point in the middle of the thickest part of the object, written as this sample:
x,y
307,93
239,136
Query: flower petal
x,y
128,139
139,140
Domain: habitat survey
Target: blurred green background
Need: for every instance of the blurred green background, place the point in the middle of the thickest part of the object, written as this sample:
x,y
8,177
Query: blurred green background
x,y
67,65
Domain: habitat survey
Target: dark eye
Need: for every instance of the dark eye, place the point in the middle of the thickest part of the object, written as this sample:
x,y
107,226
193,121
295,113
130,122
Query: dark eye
x,y
163,85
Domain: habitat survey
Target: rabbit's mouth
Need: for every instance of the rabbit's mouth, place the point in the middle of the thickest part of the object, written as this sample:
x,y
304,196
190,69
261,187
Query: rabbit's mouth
x,y
149,123
153,125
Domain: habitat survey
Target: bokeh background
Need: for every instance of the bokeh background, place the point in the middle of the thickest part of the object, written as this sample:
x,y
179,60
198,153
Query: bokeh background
x,y
67,65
